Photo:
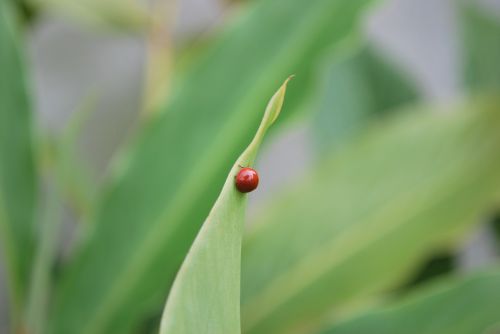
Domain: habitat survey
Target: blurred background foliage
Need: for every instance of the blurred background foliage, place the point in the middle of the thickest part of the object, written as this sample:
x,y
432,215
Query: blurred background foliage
x,y
119,121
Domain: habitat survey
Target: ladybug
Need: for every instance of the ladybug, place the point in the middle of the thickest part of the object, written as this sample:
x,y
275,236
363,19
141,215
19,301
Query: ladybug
x,y
247,180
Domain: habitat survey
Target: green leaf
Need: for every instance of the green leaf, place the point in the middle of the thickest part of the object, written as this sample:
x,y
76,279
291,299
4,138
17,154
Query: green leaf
x,y
50,222
65,175
205,297
164,188
462,306
359,86
481,47
17,171
361,222
73,176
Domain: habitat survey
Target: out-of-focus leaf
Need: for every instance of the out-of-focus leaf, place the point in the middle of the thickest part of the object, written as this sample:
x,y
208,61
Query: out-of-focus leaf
x,y
361,222
160,51
124,14
162,191
43,264
17,171
59,159
205,296
481,47
360,86
73,176
460,307
59,164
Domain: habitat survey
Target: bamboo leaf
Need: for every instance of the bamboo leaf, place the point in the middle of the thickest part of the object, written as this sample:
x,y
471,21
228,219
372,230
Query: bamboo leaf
x,y
205,296
163,189
17,171
364,219
462,306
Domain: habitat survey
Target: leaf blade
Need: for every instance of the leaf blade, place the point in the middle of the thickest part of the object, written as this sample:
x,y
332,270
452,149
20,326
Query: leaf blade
x,y
446,308
205,296
17,167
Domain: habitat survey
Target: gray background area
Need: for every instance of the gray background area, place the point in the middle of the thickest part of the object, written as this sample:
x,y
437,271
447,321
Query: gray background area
x,y
70,63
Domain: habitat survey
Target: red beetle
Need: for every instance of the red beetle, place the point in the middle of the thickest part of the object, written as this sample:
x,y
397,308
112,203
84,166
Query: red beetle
x,y
247,180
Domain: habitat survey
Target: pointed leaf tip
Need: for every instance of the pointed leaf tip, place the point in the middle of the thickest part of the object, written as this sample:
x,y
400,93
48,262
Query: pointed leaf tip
x,y
274,107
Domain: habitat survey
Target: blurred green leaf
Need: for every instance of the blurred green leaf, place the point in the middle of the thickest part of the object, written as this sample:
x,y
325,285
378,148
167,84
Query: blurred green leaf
x,y
72,174
161,193
122,14
60,160
65,175
359,86
50,222
17,171
462,306
481,47
362,221
205,296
